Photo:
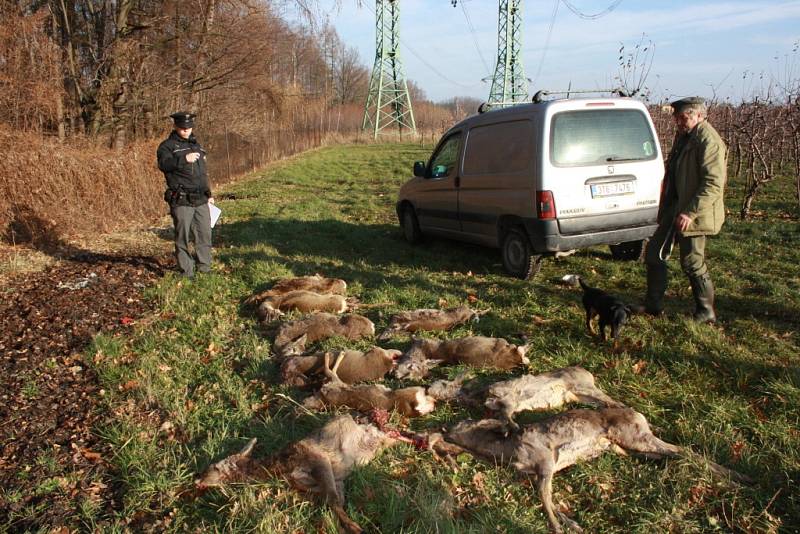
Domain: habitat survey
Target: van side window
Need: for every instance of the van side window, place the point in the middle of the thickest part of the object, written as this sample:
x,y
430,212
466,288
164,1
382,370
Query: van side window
x,y
502,148
446,158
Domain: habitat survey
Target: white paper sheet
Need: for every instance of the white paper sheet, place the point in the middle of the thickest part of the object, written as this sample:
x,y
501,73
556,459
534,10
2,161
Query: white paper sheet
x,y
215,213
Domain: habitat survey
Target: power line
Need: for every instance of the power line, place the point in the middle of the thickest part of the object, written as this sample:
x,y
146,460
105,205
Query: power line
x,y
547,40
424,62
594,16
474,37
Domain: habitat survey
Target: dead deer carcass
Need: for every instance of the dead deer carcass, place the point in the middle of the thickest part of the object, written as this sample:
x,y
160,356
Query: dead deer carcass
x,y
316,283
303,301
293,336
546,391
428,319
317,464
410,402
356,366
477,351
546,447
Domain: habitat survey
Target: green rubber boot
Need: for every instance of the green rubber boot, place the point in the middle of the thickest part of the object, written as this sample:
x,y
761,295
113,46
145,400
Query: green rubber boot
x,y
703,291
656,287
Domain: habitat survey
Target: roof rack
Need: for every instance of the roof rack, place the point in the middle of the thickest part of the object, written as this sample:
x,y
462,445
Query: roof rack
x,y
619,91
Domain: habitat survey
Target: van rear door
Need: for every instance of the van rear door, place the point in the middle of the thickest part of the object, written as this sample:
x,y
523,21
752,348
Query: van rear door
x,y
604,167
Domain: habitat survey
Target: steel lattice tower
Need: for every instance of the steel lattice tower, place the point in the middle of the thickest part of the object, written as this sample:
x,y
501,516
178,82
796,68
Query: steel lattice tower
x,y
388,101
509,85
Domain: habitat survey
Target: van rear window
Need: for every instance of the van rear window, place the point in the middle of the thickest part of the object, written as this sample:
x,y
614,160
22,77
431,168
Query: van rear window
x,y
593,137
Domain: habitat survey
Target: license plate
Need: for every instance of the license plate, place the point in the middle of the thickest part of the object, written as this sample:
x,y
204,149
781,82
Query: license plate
x,y
612,189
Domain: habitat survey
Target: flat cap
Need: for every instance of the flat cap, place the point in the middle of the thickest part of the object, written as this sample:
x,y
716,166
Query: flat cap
x,y
678,105
183,119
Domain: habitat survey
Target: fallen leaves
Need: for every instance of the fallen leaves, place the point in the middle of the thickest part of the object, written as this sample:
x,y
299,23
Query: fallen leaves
x,y
51,398
129,385
639,367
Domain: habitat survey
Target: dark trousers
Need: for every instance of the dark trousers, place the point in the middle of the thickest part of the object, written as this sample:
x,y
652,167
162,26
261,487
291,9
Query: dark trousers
x,y
192,223
692,252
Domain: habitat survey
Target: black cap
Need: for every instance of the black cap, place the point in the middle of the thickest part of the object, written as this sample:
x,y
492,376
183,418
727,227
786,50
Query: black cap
x,y
183,119
679,105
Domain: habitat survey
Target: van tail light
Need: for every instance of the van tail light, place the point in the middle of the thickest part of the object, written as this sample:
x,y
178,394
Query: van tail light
x,y
545,205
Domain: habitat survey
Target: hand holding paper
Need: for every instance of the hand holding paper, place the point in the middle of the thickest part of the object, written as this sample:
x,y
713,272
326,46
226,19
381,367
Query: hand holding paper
x,y
215,213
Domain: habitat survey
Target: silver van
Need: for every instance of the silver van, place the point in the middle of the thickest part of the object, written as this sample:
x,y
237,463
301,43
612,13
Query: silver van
x,y
541,178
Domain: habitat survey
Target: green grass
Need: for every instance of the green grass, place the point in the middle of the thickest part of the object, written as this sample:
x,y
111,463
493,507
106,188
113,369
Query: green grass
x,y
730,393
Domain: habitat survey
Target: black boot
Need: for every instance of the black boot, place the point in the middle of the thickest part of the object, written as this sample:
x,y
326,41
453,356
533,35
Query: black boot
x,y
703,291
656,287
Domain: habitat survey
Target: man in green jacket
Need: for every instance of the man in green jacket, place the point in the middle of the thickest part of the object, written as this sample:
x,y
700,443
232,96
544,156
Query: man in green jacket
x,y
691,208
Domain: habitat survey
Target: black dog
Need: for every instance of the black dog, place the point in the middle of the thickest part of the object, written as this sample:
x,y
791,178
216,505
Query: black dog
x,y
612,311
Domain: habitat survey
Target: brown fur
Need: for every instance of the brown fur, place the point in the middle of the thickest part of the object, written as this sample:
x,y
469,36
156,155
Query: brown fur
x,y
293,336
356,366
410,402
426,319
316,283
546,391
546,447
317,464
477,351
303,301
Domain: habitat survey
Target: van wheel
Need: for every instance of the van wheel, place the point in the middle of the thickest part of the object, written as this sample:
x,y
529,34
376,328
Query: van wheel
x,y
627,251
518,257
410,226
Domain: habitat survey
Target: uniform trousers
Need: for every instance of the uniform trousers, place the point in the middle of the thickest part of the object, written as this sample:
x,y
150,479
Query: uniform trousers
x,y
192,223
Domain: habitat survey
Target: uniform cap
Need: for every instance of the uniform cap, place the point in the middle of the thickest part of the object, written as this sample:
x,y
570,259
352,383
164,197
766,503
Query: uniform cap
x,y
183,119
679,105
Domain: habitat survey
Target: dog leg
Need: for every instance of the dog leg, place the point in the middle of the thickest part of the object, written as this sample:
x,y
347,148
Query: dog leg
x,y
603,326
589,316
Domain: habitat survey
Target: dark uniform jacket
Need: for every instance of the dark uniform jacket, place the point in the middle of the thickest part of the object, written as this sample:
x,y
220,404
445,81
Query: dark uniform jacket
x,y
696,176
182,176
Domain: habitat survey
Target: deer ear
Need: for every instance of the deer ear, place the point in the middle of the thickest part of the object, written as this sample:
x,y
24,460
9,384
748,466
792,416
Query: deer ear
x,y
248,448
430,364
302,339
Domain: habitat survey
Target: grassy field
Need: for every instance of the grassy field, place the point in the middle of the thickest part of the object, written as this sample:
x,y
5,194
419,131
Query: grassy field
x,y
202,364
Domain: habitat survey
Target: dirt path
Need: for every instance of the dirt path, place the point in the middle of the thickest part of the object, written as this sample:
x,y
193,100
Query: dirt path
x,y
51,459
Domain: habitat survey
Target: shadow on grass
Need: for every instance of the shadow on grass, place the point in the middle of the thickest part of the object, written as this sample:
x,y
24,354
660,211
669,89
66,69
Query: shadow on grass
x,y
334,241
780,317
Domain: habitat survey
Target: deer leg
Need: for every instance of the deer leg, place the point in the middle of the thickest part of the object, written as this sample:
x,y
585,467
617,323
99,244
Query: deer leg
x,y
331,372
595,397
544,484
322,472
338,362
719,471
508,414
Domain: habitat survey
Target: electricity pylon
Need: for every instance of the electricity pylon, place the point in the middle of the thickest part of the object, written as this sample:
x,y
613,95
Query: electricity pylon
x,y
509,85
388,101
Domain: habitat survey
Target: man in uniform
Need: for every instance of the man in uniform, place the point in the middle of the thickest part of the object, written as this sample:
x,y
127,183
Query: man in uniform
x,y
183,162
691,208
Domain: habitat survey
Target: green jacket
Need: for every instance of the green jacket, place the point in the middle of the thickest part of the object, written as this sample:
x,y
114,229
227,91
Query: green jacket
x,y
700,174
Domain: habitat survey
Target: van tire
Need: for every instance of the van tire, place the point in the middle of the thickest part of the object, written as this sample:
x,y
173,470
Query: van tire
x,y
627,251
518,257
410,225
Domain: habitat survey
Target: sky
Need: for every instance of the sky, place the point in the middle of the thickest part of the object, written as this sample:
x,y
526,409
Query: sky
x,y
725,48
